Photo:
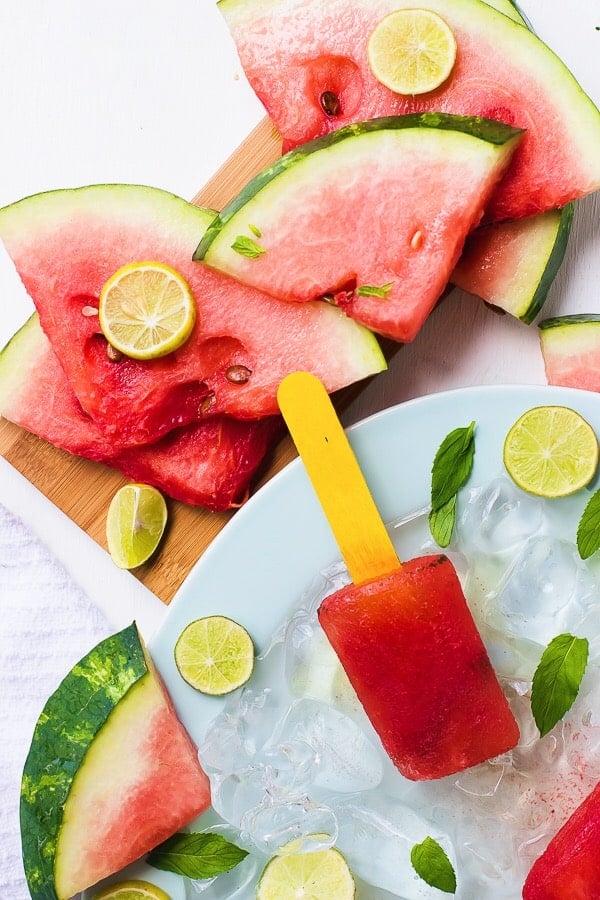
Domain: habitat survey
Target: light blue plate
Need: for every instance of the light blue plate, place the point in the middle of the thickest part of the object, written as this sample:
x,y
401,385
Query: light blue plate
x,y
257,568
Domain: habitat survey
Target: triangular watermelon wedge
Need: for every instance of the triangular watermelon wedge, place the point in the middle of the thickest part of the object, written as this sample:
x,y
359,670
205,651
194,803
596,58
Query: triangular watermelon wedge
x,y
110,774
296,51
66,244
375,215
209,464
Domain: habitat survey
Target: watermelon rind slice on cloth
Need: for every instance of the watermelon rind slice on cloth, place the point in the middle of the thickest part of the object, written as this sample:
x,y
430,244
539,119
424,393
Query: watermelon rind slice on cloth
x,y
110,773
293,51
65,245
570,348
210,464
331,223
512,265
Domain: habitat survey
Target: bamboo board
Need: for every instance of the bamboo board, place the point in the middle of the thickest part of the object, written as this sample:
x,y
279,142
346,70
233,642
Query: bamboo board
x,y
83,490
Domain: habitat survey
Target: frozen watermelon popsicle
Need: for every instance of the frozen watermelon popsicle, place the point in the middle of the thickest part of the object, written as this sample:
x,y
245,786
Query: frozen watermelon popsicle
x,y
403,632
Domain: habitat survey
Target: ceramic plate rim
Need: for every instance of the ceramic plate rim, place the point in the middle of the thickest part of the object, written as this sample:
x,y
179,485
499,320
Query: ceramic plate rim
x,y
264,528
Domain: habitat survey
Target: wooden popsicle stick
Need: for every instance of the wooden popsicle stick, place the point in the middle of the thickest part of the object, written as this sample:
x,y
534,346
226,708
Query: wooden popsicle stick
x,y
339,484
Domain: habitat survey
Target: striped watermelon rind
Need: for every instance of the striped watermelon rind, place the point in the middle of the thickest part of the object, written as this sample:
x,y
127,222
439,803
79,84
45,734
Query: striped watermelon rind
x,y
78,720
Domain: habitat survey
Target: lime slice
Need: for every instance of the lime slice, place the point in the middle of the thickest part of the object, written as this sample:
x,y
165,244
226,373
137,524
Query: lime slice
x,y
146,310
132,890
411,51
215,655
551,451
135,523
322,875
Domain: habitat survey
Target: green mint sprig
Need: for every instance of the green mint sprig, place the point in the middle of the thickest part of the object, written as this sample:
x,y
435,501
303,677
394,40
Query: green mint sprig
x,y
196,855
430,862
557,680
588,530
373,290
451,469
245,246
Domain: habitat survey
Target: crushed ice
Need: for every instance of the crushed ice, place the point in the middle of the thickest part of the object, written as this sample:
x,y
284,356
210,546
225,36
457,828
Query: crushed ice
x,y
294,762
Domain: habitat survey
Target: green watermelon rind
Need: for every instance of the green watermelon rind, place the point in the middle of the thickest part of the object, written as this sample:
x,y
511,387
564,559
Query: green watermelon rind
x,y
18,358
488,130
570,320
545,252
73,715
554,263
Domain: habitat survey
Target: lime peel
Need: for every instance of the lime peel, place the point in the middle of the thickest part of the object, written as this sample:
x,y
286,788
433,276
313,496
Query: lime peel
x,y
551,451
134,889
146,310
412,51
135,523
214,655
321,875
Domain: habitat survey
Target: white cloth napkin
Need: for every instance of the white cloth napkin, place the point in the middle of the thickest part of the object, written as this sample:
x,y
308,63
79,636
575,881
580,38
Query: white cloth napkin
x,y
47,624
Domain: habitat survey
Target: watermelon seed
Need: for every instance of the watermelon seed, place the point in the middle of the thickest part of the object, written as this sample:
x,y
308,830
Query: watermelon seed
x,y
208,402
113,354
89,311
416,242
330,103
238,374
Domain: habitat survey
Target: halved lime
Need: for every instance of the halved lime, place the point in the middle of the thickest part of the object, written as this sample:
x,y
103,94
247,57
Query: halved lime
x,y
135,524
411,51
134,889
551,451
146,310
215,655
322,875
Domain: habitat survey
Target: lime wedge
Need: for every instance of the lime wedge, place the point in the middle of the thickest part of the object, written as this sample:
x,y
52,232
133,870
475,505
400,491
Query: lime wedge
x,y
411,51
131,890
551,451
146,310
322,875
135,523
215,655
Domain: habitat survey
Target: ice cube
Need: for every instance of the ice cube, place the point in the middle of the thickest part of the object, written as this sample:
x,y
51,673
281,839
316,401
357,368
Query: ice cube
x,y
377,840
546,591
296,826
347,760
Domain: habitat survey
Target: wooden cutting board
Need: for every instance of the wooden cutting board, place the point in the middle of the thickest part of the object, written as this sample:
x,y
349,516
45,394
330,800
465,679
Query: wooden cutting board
x,y
83,489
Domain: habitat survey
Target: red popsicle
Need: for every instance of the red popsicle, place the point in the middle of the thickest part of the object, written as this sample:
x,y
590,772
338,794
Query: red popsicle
x,y
570,865
403,633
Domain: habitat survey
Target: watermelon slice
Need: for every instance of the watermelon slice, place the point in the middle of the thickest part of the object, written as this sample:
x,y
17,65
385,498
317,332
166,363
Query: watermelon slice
x,y
307,62
571,350
569,868
209,464
65,244
512,265
110,773
330,221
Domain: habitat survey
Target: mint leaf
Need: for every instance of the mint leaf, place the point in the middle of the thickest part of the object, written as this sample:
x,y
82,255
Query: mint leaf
x,y
196,855
452,465
255,230
441,522
245,246
588,530
372,290
431,863
557,679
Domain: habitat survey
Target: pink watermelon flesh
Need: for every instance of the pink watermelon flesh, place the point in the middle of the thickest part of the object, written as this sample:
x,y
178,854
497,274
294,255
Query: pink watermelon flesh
x,y
66,244
571,351
210,464
294,53
413,654
569,868
344,200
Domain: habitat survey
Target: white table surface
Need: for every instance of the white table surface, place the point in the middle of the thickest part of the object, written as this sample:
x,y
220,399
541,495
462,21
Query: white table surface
x,y
150,91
